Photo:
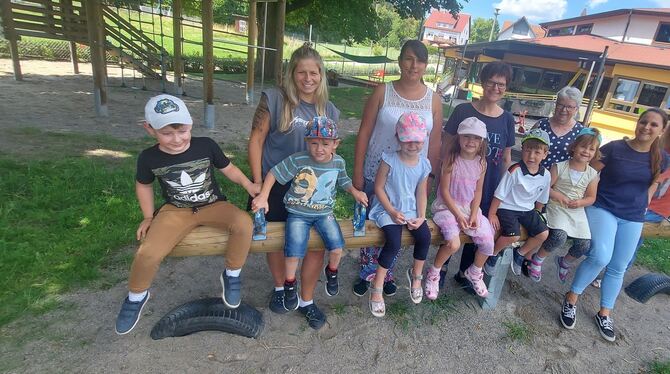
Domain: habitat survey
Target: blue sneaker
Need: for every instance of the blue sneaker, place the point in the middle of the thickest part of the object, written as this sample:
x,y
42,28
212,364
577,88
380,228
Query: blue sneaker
x,y
129,315
490,265
277,302
314,316
231,290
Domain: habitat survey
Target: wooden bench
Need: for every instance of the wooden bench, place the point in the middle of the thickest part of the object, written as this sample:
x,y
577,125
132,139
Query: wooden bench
x,y
209,241
377,76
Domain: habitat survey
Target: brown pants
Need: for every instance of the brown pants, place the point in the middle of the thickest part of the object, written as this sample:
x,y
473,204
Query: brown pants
x,y
172,224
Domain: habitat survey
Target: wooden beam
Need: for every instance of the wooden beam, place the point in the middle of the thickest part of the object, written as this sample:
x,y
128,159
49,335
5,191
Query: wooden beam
x,y
279,37
11,36
178,62
209,241
208,68
252,34
96,37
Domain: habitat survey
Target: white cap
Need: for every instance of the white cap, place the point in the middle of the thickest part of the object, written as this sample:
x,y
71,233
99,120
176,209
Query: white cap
x,y
163,110
472,126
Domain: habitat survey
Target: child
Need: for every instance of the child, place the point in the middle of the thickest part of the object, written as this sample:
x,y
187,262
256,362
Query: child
x,y
309,201
456,207
400,199
184,167
573,186
518,200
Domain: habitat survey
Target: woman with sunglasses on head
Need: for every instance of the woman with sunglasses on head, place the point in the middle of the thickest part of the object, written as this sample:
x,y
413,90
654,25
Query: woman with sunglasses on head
x,y
494,77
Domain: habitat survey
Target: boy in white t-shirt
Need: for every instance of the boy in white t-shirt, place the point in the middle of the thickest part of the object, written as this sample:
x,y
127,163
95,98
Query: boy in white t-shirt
x,y
518,201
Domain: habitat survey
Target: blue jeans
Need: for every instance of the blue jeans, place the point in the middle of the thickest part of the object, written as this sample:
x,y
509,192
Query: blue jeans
x,y
613,244
297,233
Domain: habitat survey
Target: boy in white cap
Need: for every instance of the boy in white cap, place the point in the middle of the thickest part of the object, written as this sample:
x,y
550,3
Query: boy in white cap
x,y
184,167
519,199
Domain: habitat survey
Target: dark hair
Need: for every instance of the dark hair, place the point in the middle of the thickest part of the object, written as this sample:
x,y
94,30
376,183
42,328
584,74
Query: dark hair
x,y
496,68
655,150
417,47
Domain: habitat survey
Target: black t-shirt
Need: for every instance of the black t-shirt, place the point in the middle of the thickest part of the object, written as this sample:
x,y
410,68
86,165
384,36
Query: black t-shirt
x,y
186,179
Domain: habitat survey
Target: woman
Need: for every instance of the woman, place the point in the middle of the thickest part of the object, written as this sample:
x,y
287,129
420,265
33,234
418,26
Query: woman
x,y
494,78
278,130
562,126
377,135
629,171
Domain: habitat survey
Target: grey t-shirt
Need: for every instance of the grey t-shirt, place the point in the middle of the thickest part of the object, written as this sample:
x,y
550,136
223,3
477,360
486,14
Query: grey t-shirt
x,y
279,145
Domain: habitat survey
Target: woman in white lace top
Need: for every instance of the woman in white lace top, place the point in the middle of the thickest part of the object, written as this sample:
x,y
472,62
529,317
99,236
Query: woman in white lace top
x,y
377,135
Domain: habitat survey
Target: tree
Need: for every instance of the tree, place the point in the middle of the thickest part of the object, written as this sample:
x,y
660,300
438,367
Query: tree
x,y
481,30
392,28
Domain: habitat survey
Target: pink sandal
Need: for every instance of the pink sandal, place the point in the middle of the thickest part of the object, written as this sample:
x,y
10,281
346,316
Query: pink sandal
x,y
432,285
477,280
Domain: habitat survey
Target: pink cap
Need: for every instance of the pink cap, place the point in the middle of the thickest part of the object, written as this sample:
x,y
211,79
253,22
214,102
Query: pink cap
x,y
472,126
411,127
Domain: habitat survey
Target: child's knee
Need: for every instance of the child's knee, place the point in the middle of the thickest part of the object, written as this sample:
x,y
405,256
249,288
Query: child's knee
x,y
149,254
543,235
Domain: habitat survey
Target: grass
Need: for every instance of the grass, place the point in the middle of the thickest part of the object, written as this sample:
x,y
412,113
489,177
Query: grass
x,y
349,100
660,367
518,331
655,255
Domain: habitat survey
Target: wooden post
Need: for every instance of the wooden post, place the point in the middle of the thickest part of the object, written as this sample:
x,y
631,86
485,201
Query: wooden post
x,y
73,57
252,33
279,37
96,38
178,62
10,35
208,67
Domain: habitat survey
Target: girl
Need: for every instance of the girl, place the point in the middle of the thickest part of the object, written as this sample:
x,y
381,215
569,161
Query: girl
x,y
377,135
629,171
277,131
400,199
573,186
456,207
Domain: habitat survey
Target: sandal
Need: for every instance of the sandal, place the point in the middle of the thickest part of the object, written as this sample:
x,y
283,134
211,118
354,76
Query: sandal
x,y
534,270
377,308
416,294
477,281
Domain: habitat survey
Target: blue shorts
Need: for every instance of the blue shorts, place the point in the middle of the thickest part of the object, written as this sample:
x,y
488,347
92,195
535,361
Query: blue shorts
x,y
297,233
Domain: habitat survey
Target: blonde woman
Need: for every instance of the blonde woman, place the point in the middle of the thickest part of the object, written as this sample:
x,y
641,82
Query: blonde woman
x,y
277,131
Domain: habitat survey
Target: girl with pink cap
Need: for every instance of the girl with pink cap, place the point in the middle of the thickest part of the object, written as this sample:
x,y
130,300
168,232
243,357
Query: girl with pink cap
x,y
456,207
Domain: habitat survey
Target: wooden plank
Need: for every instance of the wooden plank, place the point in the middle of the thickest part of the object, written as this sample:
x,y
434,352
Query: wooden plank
x,y
176,41
252,32
208,65
96,32
209,241
11,35
279,41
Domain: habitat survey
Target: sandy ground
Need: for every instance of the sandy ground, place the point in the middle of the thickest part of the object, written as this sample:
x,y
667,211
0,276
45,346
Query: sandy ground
x,y
462,338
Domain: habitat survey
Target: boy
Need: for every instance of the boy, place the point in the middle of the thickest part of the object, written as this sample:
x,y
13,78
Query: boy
x,y
184,167
315,174
518,200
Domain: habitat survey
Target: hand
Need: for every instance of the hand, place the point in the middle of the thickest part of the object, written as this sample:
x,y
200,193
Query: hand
x,y
562,199
254,189
143,228
360,197
415,223
495,223
573,204
463,223
397,217
474,222
260,202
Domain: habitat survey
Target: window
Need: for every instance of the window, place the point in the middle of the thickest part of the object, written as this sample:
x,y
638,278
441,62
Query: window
x,y
520,28
584,29
625,90
663,33
636,96
567,30
551,81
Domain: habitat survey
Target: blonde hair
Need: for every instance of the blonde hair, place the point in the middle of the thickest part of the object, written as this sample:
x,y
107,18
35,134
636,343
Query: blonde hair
x,y
290,90
586,140
454,149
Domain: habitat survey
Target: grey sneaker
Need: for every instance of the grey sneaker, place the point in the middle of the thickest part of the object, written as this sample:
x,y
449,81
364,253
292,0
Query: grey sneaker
x,y
231,290
606,327
517,262
130,314
315,317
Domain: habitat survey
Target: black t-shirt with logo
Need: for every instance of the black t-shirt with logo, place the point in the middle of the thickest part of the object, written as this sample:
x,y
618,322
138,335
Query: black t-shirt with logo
x,y
186,179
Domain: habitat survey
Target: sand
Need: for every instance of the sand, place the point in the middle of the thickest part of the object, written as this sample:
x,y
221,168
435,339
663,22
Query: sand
x,y
461,338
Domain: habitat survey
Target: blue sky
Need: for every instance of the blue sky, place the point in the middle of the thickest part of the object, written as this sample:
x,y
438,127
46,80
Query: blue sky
x,y
548,10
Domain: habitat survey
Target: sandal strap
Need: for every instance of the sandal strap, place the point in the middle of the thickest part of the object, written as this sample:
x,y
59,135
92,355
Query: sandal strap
x,y
376,290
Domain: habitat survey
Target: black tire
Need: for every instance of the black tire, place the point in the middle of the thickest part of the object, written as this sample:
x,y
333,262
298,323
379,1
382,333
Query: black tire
x,y
209,314
646,286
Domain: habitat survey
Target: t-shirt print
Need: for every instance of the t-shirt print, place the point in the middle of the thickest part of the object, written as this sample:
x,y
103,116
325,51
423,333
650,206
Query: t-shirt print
x,y
188,184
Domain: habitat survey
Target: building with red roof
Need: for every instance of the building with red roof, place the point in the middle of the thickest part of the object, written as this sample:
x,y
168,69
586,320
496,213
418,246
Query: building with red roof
x,y
442,28
520,29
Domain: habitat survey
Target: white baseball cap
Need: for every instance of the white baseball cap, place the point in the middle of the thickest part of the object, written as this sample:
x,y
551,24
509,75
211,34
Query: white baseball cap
x,y
472,126
163,110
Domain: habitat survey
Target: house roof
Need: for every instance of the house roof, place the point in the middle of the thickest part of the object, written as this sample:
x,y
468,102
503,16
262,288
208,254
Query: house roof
x,y
537,29
612,13
574,47
446,17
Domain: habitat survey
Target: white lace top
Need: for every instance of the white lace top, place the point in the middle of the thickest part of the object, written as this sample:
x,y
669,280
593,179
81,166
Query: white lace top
x,y
383,135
